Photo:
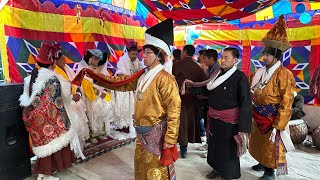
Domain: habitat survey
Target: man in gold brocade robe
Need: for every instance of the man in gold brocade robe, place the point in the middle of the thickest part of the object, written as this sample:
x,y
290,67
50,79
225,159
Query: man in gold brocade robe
x,y
157,106
272,87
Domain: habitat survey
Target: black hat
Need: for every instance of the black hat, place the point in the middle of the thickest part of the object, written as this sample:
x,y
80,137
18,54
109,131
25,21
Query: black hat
x,y
161,36
272,51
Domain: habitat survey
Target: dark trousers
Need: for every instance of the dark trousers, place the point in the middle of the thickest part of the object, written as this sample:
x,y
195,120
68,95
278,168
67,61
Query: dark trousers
x,y
201,116
222,149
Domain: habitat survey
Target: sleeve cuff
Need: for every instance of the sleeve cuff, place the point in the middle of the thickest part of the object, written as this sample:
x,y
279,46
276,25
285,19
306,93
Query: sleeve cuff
x,y
170,140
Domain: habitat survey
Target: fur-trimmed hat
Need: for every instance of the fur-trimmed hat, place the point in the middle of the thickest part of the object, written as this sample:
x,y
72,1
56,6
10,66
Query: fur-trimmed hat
x,y
161,36
277,36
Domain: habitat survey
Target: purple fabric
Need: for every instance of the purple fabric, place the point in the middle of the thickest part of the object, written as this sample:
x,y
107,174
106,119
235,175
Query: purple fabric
x,y
153,140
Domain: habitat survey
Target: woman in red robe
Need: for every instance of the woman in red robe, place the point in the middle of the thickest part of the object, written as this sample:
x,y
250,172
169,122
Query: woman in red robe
x,y
45,117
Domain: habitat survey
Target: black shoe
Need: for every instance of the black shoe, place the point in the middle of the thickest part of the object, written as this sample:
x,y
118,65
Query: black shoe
x,y
212,175
183,152
183,155
258,167
268,175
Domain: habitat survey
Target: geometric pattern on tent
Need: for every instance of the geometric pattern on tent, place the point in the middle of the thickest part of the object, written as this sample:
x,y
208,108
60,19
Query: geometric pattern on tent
x,y
25,51
186,12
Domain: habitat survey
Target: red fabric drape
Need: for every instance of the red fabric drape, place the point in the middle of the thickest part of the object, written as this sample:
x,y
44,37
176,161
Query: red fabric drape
x,y
246,60
78,79
264,123
314,85
314,58
14,73
169,156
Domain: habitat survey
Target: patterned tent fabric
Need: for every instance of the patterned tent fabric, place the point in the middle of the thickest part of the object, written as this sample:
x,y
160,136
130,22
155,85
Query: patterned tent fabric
x,y
188,12
141,13
269,15
25,24
128,7
301,59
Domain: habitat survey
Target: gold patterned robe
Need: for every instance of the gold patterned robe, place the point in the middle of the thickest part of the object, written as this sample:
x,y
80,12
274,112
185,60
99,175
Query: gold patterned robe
x,y
160,102
279,90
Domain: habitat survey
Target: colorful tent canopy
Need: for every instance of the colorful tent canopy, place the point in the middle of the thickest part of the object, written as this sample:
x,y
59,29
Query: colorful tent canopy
x,y
267,15
78,25
25,24
132,7
187,12
187,7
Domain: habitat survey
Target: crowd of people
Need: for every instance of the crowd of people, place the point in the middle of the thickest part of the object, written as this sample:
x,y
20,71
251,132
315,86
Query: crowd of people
x,y
206,101
61,117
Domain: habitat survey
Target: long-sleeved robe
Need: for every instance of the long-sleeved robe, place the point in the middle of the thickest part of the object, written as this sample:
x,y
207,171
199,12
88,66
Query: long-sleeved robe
x,y
222,149
100,111
79,120
160,102
189,127
47,120
280,91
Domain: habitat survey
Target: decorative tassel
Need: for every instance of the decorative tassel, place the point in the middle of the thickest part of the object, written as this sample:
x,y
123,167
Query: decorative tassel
x,y
78,13
281,161
101,18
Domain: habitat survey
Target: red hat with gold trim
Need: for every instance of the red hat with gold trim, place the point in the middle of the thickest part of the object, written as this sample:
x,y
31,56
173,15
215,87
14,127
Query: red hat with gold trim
x,y
45,55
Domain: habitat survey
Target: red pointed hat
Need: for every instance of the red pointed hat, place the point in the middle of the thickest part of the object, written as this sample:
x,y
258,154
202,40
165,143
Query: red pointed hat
x,y
133,46
45,55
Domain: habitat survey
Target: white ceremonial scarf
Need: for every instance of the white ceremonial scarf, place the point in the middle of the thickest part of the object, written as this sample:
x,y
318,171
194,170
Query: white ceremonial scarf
x,y
215,82
125,64
285,137
262,76
146,78
168,66
70,73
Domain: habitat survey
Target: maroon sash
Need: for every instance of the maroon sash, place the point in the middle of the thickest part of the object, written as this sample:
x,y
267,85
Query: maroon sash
x,y
229,115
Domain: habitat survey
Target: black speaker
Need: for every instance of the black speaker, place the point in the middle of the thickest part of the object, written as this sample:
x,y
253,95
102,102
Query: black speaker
x,y
14,139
